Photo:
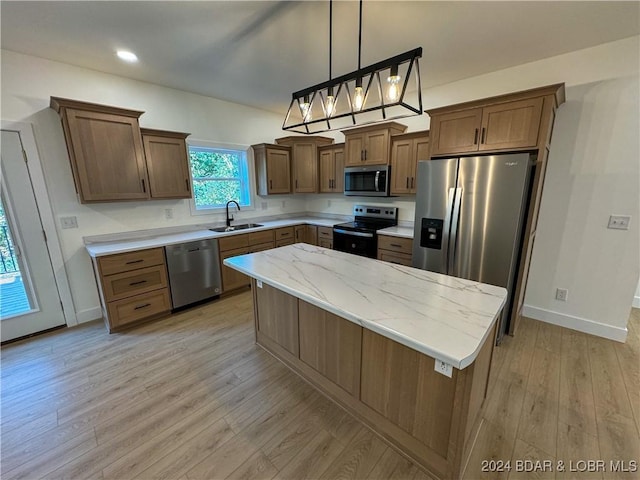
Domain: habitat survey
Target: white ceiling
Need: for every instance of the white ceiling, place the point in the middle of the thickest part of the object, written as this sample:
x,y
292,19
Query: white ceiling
x,y
257,53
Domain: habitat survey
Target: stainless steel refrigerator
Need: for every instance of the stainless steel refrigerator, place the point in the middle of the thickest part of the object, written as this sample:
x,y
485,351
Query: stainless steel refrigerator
x,y
469,217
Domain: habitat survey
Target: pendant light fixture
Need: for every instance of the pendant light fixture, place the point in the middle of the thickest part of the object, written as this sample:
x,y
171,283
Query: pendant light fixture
x,y
386,90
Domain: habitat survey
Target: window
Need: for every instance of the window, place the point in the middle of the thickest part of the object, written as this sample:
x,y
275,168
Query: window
x,y
219,175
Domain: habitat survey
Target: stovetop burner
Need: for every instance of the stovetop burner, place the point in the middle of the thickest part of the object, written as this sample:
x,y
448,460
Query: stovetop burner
x,y
370,219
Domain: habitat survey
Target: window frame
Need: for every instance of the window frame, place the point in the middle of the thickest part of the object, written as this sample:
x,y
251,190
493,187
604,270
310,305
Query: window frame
x,y
250,174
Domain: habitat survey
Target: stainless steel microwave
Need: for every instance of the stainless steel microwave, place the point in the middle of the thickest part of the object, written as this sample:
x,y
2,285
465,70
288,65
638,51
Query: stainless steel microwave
x,y
367,181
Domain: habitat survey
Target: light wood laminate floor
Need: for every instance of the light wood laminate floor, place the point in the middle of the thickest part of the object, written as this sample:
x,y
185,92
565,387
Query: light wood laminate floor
x,y
192,397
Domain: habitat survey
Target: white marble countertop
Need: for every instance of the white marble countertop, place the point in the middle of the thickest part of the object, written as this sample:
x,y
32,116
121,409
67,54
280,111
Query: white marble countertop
x,y
397,231
151,241
445,317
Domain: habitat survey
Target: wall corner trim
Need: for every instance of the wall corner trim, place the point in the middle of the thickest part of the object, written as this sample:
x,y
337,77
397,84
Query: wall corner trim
x,y
618,334
636,302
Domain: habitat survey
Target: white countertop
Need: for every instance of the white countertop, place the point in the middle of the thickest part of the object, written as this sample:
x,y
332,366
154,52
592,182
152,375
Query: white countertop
x,y
445,317
397,231
121,246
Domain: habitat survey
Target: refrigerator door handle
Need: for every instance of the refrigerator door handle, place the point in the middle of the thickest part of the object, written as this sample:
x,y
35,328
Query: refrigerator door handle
x,y
453,238
446,228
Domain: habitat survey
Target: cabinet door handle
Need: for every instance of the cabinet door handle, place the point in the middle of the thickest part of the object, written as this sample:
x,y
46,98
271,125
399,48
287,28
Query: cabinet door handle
x,y
142,306
365,154
362,155
296,183
186,181
134,261
407,183
285,234
412,181
475,137
144,188
270,184
140,282
397,245
482,136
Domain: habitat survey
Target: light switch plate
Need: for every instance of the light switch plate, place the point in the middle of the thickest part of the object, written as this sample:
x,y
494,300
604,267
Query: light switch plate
x,y
69,222
619,222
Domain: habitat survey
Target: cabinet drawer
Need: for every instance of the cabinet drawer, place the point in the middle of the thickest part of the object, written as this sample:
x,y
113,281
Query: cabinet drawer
x,y
127,284
395,244
325,243
135,308
325,232
395,257
262,246
124,262
256,238
284,233
232,242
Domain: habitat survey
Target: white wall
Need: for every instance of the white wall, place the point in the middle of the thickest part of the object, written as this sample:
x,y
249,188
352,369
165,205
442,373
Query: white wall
x,y
593,170
636,299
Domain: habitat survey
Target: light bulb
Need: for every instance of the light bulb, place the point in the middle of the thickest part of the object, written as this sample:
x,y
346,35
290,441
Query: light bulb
x,y
331,103
358,98
305,109
393,91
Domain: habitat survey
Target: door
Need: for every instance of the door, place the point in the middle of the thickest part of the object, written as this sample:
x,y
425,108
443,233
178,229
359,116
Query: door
x,y
327,170
456,132
278,171
338,176
434,206
354,149
511,125
305,167
377,148
493,192
402,158
30,299
168,166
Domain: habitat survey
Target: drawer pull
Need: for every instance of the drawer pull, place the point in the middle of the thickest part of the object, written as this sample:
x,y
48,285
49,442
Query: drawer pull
x,y
285,234
140,282
475,137
134,261
396,245
142,306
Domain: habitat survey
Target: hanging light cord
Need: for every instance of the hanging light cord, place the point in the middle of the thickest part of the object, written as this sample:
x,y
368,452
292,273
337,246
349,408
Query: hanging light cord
x,y
360,36
330,34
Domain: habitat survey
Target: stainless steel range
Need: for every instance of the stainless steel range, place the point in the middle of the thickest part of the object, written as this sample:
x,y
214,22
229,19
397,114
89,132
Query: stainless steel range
x,y
359,237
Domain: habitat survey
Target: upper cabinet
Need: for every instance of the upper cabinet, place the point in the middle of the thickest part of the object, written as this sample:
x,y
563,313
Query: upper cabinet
x,y
105,150
273,168
510,122
167,163
406,151
331,164
370,145
304,161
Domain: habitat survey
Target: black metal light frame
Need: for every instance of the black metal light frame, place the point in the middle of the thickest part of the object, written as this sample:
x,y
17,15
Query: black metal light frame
x,y
400,108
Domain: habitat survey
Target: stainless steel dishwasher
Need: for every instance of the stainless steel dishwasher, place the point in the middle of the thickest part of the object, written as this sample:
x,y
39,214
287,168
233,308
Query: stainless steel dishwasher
x,y
194,271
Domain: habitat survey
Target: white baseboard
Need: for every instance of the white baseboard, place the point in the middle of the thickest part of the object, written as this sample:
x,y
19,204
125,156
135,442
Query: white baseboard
x,y
89,314
636,302
576,323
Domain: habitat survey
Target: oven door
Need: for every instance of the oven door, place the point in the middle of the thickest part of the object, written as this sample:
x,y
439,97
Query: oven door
x,y
364,244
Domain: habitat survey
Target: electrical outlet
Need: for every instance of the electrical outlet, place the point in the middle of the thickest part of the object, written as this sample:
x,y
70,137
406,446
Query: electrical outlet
x,y
443,367
168,213
562,294
69,222
619,222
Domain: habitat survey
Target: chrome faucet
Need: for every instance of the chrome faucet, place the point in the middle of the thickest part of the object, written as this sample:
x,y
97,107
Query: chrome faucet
x,y
230,219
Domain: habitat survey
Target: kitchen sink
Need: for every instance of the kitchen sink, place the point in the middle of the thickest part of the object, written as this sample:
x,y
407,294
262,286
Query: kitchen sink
x,y
233,228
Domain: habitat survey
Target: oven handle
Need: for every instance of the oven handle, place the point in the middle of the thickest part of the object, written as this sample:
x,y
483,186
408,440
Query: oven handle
x,y
354,234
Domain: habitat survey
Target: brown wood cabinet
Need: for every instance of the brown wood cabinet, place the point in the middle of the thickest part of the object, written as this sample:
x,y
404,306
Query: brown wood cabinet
x,y
304,161
273,169
167,163
395,249
517,121
306,234
331,345
325,237
331,163
370,145
105,150
509,125
241,244
133,286
277,317
406,151
285,236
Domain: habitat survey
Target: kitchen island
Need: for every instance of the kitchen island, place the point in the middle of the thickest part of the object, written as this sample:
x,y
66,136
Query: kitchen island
x,y
406,351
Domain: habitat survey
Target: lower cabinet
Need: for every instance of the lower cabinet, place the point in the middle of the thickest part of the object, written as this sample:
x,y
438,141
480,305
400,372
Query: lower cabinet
x,y
241,244
306,234
278,317
232,279
395,249
133,286
325,237
285,236
330,345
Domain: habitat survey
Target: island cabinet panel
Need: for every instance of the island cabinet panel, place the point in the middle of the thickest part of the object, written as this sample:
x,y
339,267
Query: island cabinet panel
x,y
331,345
402,385
277,317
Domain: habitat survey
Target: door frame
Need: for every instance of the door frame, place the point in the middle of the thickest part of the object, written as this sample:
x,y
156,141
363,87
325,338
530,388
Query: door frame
x,y
34,167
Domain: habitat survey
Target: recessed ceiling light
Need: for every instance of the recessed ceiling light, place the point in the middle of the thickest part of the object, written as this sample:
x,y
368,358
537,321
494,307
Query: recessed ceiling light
x,y
127,56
